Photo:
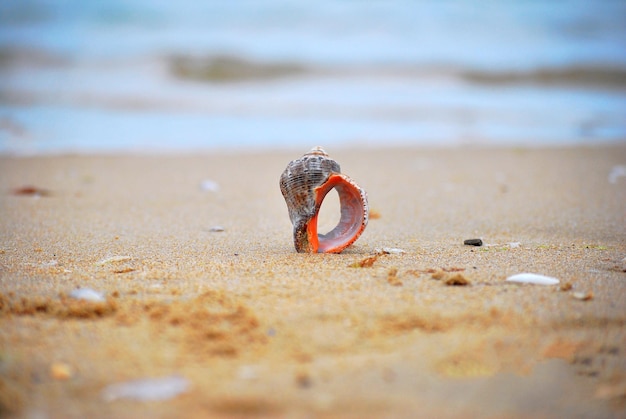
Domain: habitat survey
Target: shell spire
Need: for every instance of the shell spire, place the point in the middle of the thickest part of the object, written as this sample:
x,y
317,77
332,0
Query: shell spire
x,y
304,185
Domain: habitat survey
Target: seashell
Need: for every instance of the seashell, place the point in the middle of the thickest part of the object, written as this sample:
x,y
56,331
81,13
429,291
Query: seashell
x,y
87,294
530,278
304,184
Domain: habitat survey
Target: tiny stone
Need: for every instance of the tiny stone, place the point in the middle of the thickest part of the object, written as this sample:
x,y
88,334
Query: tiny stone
x,y
60,371
303,380
473,242
566,286
438,274
457,279
216,229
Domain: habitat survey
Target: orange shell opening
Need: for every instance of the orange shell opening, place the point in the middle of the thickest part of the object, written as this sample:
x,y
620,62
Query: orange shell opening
x,y
354,214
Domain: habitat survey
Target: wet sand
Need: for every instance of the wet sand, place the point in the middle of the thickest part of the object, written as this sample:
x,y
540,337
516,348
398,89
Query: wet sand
x,y
257,330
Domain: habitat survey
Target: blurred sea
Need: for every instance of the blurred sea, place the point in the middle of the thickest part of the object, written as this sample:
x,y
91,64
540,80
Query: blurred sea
x,y
154,75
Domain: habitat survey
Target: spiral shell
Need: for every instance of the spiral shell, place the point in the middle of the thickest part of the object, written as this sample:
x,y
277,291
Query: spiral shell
x,y
304,185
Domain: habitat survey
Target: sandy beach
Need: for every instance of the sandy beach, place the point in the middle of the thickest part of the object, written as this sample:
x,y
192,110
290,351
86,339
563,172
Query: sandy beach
x,y
201,286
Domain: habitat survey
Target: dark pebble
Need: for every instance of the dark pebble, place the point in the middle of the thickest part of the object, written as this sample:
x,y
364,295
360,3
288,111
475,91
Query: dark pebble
x,y
473,242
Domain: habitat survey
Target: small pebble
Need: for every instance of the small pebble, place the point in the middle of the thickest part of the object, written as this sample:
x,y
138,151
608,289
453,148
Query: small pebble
x,y
216,229
438,274
61,371
374,214
473,242
457,280
303,380
87,294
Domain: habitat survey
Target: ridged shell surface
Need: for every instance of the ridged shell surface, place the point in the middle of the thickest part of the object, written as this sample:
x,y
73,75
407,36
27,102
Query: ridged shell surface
x,y
300,179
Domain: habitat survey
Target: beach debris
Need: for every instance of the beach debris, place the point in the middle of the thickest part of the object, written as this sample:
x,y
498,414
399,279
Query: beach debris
x,y
31,191
147,389
209,185
566,286
530,278
87,294
113,259
583,296
374,214
438,274
617,172
61,371
304,184
303,379
216,229
473,242
390,251
124,270
456,280
365,263
392,277
514,245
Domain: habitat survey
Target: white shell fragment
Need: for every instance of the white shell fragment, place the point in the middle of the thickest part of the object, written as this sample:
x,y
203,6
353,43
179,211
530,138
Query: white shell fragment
x,y
147,389
209,185
113,259
390,251
583,296
529,278
616,173
87,294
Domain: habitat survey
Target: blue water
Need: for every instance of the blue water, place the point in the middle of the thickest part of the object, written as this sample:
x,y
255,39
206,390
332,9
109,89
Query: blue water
x,y
97,76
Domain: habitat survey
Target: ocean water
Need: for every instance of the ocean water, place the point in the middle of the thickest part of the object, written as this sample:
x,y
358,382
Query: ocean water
x,y
152,75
